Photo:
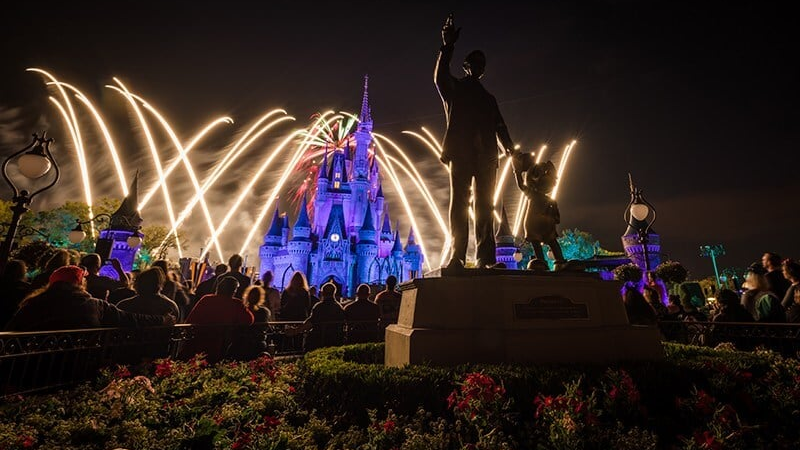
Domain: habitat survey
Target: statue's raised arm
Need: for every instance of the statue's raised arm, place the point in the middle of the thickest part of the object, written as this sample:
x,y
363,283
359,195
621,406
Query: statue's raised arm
x,y
449,31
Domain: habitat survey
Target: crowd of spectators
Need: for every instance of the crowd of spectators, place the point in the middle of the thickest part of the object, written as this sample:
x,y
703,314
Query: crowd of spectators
x,y
68,291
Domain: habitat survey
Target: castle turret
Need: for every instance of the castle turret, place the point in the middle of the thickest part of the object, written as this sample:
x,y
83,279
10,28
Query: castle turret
x,y
272,243
504,242
386,237
300,245
125,223
366,248
413,256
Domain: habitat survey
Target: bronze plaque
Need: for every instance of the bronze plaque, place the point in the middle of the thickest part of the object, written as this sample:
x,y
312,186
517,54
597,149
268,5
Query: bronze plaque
x,y
550,307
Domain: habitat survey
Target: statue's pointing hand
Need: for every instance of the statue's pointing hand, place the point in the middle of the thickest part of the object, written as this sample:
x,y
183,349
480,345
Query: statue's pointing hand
x,y
449,31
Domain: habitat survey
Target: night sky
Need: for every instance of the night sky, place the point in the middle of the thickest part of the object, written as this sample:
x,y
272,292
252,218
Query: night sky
x,y
695,99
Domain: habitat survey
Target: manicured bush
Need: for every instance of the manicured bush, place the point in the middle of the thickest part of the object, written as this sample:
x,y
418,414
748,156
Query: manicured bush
x,y
344,398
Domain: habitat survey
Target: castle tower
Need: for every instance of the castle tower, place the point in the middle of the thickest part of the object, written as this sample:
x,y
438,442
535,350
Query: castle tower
x,y
504,242
272,243
366,248
413,256
125,222
386,237
398,261
363,137
300,245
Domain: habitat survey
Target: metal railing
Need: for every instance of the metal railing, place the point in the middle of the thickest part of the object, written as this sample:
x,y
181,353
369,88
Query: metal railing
x,y
747,336
43,360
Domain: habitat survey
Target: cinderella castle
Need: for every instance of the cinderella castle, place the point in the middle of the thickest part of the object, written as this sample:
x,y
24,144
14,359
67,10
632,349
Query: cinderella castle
x,y
349,240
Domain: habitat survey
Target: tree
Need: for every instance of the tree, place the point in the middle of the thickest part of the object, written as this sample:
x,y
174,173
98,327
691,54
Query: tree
x,y
152,248
628,273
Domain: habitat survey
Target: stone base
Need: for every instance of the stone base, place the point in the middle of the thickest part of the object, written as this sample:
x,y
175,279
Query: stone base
x,y
519,317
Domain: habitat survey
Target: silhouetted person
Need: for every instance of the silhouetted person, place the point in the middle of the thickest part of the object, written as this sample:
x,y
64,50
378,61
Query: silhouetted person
x,y
65,305
654,300
13,288
362,318
209,286
235,263
775,279
59,258
148,298
730,308
295,300
759,300
173,289
639,311
222,308
100,285
388,301
273,301
252,342
326,322
791,271
474,124
122,293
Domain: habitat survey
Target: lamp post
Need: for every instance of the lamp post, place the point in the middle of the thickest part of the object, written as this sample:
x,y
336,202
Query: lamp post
x,y
713,251
34,162
639,216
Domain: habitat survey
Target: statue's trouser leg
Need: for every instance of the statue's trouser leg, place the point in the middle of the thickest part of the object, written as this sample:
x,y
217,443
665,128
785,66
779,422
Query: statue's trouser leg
x,y
556,248
484,218
537,250
460,180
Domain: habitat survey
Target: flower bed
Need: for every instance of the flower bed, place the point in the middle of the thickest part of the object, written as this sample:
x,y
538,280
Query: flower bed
x,y
343,398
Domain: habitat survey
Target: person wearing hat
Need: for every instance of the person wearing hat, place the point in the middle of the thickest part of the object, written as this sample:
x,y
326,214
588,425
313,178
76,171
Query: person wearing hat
x,y
758,300
64,304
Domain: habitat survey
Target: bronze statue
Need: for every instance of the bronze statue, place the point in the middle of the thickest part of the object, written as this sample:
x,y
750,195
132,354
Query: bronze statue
x,y
541,217
474,124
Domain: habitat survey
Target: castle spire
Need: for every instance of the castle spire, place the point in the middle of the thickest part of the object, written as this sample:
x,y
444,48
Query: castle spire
x,y
369,224
127,216
387,226
365,115
276,228
411,239
302,216
398,246
504,230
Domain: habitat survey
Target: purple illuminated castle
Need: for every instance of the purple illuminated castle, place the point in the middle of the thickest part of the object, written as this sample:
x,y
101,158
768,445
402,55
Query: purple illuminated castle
x,y
349,239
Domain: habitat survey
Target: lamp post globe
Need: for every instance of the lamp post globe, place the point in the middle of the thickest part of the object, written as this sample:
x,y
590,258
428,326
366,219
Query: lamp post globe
x,y
77,235
639,211
33,165
134,240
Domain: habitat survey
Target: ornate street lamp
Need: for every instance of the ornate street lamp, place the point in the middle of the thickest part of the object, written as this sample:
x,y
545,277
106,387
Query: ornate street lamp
x,y
34,161
77,235
713,251
639,216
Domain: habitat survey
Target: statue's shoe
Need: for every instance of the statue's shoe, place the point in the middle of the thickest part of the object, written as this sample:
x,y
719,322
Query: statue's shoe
x,y
572,265
538,265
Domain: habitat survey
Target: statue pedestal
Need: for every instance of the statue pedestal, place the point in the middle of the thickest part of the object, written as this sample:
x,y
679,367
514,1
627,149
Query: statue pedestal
x,y
510,316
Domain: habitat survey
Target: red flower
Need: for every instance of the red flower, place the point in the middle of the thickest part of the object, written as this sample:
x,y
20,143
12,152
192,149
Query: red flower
x,y
122,372
707,440
164,368
704,403
388,426
268,425
27,441
243,440
612,394
291,389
